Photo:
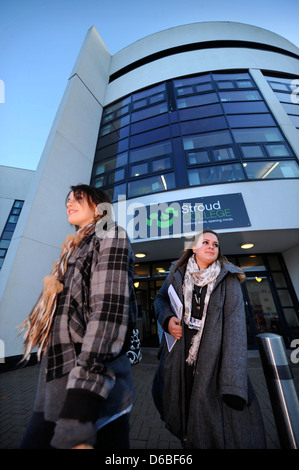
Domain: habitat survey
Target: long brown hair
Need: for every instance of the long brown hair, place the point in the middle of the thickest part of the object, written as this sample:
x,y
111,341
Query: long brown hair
x,y
182,262
94,196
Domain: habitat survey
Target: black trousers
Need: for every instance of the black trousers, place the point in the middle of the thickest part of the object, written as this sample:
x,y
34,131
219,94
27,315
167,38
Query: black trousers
x,y
113,436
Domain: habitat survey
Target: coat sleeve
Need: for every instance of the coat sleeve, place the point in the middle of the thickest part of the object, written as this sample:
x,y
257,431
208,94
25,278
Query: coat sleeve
x,y
233,371
162,306
92,379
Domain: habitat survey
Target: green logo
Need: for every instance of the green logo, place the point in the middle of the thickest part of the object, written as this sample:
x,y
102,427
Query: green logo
x,y
166,219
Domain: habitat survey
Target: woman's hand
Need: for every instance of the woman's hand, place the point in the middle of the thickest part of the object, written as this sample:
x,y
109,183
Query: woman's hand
x,y
175,327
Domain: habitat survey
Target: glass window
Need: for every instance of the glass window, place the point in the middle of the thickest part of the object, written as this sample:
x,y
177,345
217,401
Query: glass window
x,y
203,87
112,150
216,174
271,170
117,191
295,120
18,204
157,98
139,104
148,137
149,124
116,106
279,280
209,139
291,108
150,151
245,107
148,92
279,86
140,169
188,90
197,100
13,219
6,235
141,270
284,97
100,181
203,125
161,164
250,120
115,125
245,84
117,175
285,298
154,184
191,80
252,263
278,150
253,151
270,134
113,137
226,153
161,268
291,317
274,263
111,164
200,112
249,95
149,112
196,158
4,243
225,84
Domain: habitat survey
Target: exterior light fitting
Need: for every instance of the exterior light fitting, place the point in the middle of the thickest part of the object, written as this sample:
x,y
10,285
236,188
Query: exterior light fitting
x,y
140,255
246,246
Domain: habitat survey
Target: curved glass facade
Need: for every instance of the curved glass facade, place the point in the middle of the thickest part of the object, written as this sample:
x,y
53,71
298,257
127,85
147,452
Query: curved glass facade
x,y
207,129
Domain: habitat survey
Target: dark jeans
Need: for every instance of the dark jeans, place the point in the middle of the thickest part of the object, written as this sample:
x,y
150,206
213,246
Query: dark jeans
x,y
114,435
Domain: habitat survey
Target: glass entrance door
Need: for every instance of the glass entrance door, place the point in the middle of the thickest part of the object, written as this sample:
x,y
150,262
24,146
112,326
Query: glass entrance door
x,y
262,309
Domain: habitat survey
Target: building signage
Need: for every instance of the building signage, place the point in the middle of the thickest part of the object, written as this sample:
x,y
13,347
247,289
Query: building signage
x,y
179,218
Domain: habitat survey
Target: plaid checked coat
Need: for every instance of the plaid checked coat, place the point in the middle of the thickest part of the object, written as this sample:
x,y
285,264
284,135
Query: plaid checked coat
x,y
88,338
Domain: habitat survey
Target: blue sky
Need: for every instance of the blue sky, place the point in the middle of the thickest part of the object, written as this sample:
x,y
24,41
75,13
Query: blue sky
x,y
40,41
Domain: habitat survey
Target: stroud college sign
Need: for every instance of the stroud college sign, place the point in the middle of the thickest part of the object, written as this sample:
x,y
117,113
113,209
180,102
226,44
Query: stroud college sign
x,y
185,217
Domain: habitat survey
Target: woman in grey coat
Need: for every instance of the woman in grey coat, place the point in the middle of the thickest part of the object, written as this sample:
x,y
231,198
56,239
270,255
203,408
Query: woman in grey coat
x,y
201,387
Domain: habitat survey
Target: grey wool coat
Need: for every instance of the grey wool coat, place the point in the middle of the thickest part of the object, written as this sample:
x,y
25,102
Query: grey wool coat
x,y
221,369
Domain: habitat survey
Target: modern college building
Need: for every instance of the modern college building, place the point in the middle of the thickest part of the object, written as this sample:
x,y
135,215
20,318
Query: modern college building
x,y
193,127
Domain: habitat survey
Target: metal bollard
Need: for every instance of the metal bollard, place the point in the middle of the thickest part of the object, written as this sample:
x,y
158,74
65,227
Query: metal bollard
x,y
282,392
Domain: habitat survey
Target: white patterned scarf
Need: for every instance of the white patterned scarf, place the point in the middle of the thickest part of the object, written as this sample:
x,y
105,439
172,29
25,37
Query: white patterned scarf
x,y
200,277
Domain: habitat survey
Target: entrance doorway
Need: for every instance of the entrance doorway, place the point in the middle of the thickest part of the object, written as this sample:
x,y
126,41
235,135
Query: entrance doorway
x,y
261,308
270,301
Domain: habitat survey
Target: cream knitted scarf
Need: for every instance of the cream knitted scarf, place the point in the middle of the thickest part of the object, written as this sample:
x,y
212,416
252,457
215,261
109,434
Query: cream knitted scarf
x,y
39,321
200,277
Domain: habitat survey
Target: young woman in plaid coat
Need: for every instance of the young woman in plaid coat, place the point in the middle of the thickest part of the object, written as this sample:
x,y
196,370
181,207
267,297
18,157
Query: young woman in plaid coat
x,y
81,323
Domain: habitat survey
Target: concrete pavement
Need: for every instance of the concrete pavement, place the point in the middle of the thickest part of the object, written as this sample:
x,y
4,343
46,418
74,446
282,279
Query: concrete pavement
x,y
17,390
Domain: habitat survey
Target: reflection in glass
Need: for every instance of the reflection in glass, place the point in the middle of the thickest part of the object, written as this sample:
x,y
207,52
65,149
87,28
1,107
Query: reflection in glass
x,y
216,174
150,151
252,263
207,139
248,95
271,170
268,134
252,151
153,184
